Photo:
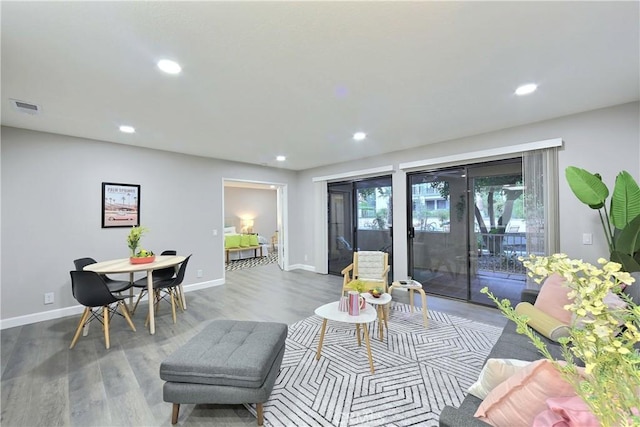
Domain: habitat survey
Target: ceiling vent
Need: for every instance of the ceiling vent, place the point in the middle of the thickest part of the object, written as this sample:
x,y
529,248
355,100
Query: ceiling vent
x,y
25,107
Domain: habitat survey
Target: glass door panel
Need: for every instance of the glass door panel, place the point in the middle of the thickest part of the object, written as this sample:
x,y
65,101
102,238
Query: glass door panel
x,y
438,231
374,231
341,236
499,230
360,219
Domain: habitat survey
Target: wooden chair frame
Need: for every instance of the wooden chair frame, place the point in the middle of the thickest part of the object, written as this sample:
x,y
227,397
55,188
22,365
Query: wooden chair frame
x,y
350,273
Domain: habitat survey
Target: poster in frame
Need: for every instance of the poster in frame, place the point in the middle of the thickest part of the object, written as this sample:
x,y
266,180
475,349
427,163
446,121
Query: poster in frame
x,y
120,205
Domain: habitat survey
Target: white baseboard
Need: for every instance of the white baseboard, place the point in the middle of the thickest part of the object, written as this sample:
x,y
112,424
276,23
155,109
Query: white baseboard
x,y
203,285
77,309
41,316
302,267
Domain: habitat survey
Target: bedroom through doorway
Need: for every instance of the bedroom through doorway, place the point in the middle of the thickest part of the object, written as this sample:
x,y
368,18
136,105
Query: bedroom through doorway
x,y
253,226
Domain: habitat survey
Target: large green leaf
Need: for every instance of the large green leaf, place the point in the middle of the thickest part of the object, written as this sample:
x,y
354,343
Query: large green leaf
x,y
629,264
587,187
628,239
625,200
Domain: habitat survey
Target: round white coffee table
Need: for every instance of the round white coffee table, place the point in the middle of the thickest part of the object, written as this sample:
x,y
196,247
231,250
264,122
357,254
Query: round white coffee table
x,y
379,304
330,312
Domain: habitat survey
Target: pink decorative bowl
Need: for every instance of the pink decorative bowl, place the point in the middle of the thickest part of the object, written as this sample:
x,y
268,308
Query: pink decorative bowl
x,y
142,260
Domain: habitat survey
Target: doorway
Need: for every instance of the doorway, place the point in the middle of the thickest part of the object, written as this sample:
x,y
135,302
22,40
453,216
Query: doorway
x,y
360,218
252,207
467,228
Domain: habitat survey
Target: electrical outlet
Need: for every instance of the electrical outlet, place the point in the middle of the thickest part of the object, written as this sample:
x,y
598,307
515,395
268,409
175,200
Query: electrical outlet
x,y
199,273
48,298
587,239
215,232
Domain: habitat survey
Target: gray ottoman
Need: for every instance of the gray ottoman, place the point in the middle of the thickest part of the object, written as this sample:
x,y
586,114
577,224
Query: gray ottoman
x,y
229,362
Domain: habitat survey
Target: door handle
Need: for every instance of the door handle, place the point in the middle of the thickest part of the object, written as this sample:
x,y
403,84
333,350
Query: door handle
x,y
411,232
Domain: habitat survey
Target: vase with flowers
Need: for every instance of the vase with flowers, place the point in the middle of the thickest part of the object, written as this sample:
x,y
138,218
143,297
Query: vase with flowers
x,y
603,337
133,241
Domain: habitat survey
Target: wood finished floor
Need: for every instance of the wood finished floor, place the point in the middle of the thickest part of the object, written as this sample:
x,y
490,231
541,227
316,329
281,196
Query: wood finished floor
x,y
46,384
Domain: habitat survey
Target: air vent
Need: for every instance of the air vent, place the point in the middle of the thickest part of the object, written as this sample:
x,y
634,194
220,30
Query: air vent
x,y
25,107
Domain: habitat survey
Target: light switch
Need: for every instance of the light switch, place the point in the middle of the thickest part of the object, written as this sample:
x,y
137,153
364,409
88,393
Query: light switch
x,y
215,232
587,239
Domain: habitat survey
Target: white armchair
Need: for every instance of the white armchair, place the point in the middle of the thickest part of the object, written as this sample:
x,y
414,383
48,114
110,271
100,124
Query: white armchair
x,y
371,267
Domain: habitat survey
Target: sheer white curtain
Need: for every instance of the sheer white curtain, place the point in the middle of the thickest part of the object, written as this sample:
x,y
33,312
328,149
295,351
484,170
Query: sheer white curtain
x,y
540,175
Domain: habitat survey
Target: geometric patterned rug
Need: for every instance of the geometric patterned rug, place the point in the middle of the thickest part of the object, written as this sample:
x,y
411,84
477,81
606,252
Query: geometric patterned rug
x,y
251,262
418,371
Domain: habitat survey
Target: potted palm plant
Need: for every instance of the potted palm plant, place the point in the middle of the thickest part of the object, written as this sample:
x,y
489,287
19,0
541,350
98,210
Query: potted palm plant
x,y
621,221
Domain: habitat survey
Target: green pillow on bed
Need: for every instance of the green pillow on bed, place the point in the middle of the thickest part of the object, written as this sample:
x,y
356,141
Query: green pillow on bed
x,y
253,240
245,241
232,241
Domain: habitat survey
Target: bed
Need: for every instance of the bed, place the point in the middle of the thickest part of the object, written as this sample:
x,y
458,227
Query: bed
x,y
242,246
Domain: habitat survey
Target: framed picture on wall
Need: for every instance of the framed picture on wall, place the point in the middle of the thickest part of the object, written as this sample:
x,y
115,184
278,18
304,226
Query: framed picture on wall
x,y
120,205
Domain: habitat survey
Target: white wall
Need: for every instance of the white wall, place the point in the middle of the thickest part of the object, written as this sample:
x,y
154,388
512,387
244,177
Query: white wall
x,y
51,201
605,141
252,203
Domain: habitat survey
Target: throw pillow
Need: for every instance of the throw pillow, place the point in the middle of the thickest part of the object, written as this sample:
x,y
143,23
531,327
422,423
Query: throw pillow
x,y
253,240
546,325
553,297
232,241
566,412
519,399
245,240
494,372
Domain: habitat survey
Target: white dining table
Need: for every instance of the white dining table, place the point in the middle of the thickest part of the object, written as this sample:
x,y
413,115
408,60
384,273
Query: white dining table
x,y
124,266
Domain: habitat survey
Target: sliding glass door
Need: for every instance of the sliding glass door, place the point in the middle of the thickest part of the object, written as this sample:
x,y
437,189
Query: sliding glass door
x,y
438,231
360,219
467,228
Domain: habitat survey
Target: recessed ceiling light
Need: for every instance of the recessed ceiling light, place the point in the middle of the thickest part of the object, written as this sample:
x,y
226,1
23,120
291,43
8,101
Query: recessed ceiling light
x,y
127,129
526,89
359,136
272,186
169,66
281,158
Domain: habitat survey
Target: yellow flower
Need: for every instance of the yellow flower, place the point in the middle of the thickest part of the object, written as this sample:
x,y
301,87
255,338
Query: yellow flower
x,y
598,339
588,368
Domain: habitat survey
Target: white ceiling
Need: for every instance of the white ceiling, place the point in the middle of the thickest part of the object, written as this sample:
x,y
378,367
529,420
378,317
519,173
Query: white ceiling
x,y
298,79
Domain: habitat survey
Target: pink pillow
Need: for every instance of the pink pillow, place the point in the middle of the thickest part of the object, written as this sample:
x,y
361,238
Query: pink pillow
x,y
566,412
553,297
519,399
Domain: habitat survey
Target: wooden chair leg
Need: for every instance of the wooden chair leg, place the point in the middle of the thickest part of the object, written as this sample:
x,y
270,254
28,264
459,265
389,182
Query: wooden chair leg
x,y
180,298
85,329
173,305
157,298
260,413
125,313
183,300
83,319
133,310
105,315
175,412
